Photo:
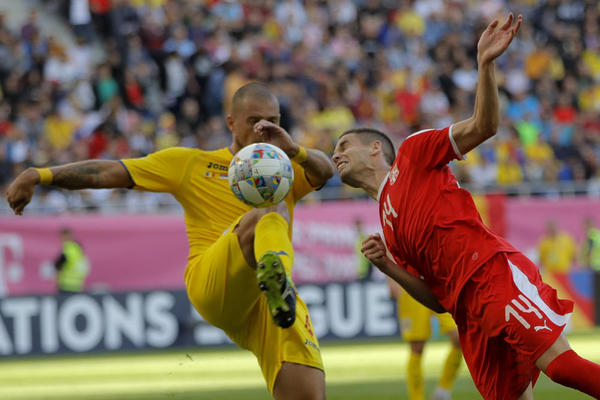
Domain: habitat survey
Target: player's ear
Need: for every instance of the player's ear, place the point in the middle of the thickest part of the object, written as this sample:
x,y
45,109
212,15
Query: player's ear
x,y
229,121
376,147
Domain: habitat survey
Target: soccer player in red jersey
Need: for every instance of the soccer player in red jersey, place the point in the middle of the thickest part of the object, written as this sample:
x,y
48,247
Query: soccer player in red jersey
x,y
510,322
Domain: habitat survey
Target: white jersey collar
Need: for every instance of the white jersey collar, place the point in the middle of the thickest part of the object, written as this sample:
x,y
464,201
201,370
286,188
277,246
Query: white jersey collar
x,y
382,185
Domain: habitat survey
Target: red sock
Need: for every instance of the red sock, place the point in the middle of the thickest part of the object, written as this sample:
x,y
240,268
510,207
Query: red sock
x,y
570,370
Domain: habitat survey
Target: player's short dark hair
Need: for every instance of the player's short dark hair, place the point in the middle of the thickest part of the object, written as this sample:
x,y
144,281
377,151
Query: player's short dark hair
x,y
370,135
255,90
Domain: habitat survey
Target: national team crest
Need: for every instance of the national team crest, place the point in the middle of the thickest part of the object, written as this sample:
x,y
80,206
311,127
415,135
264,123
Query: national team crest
x,y
394,174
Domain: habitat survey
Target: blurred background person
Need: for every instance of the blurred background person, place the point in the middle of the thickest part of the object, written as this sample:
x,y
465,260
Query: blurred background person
x,y
591,258
365,269
416,327
72,265
557,250
591,245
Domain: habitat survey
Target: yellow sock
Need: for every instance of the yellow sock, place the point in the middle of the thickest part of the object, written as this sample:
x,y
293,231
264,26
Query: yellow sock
x,y
414,378
271,234
450,370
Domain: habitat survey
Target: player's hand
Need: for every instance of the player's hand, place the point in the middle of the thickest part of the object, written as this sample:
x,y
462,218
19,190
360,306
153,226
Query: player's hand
x,y
374,249
494,40
276,135
20,192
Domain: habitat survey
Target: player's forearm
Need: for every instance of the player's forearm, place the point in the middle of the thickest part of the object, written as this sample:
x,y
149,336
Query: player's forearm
x,y
486,112
413,285
473,131
318,167
91,174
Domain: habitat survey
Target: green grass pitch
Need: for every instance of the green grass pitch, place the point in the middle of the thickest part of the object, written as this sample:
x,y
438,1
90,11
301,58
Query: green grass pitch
x,y
365,370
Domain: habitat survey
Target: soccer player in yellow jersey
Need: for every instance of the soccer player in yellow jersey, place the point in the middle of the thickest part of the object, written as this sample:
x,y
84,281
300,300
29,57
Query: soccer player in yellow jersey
x,y
229,242
415,327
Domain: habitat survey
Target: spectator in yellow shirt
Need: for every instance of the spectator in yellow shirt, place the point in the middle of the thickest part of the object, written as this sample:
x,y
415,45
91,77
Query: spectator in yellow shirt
x,y
59,131
509,172
557,250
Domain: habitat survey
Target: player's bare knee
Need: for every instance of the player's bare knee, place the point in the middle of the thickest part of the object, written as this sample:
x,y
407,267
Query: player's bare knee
x,y
245,233
417,346
281,209
245,228
558,347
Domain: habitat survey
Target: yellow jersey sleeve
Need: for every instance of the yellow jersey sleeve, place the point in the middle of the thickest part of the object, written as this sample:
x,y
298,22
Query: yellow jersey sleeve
x,y
301,186
162,171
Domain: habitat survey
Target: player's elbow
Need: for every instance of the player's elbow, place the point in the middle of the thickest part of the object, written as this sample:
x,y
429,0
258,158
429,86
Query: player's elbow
x,y
485,129
318,177
328,171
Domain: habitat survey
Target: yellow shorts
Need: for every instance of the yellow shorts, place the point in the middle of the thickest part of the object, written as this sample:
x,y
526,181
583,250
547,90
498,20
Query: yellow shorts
x,y
223,288
415,319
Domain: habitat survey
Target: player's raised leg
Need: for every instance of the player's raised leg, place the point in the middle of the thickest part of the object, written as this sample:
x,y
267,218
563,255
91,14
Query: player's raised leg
x,y
266,245
566,367
297,374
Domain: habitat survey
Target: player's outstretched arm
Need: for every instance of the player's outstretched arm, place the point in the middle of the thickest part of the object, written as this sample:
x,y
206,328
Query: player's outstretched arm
x,y
374,249
471,132
91,174
317,166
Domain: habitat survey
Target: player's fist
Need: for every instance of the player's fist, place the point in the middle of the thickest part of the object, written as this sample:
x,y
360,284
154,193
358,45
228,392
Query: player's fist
x,y
20,192
374,250
494,40
270,132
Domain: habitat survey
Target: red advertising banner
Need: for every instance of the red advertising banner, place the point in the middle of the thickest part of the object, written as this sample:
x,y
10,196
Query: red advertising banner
x,y
125,252
146,252
526,219
326,239
149,252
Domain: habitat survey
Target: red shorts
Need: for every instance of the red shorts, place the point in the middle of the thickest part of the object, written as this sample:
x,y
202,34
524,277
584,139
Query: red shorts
x,y
507,318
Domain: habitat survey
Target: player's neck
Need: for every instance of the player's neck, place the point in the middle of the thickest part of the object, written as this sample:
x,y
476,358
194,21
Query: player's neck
x,y
373,185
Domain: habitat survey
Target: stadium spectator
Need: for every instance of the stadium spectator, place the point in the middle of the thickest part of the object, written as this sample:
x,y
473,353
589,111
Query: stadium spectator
x,y
510,322
365,269
403,64
233,248
72,265
557,250
591,245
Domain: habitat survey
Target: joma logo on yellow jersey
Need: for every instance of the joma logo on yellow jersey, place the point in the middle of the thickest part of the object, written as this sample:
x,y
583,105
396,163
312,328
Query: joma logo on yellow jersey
x,y
217,166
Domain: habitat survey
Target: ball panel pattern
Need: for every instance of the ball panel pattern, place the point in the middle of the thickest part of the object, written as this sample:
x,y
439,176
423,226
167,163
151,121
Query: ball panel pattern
x,y
261,175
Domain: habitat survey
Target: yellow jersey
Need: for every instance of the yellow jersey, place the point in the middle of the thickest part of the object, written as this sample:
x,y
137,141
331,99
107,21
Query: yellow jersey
x,y
198,181
557,254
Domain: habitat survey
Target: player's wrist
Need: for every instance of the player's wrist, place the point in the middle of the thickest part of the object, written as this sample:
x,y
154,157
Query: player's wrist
x,y
299,154
381,265
42,176
485,62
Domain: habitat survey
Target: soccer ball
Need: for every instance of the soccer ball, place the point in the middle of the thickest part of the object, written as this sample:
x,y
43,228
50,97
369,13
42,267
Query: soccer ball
x,y
261,175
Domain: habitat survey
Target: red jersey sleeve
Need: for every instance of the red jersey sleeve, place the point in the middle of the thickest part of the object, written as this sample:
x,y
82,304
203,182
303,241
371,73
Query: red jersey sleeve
x,y
431,148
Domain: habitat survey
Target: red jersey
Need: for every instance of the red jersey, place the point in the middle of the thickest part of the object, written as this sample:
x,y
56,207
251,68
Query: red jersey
x,y
431,226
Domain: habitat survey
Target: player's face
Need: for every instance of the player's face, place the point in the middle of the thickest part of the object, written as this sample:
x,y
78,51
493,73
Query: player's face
x,y
351,158
247,114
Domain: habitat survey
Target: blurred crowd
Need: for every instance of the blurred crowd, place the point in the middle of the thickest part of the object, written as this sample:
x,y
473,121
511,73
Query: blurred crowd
x,y
167,69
